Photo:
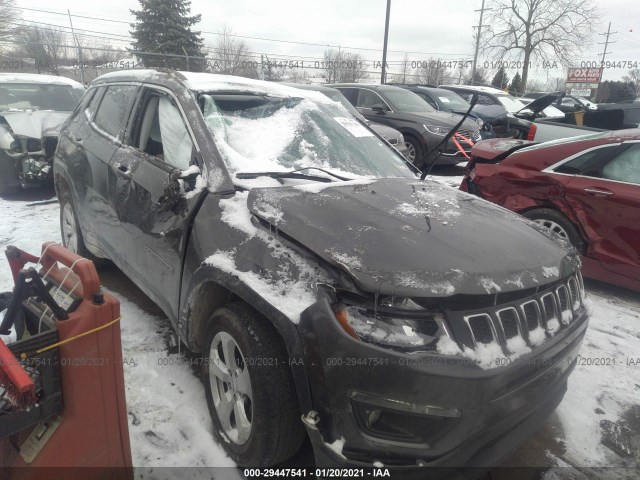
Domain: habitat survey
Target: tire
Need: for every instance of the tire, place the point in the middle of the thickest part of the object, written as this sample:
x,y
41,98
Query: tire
x,y
557,223
261,392
7,175
70,228
415,152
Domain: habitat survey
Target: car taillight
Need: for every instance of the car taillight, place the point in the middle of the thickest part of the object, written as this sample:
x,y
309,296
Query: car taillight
x,y
472,173
532,132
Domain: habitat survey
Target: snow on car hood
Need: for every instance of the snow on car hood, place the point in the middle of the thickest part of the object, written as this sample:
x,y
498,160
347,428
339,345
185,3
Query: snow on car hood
x,y
35,124
410,238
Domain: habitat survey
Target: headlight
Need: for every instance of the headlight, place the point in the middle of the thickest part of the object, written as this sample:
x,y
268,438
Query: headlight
x,y
480,123
414,329
436,129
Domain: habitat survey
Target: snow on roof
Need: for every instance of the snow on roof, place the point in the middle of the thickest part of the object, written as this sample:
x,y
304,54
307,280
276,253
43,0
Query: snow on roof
x,y
212,82
37,78
203,82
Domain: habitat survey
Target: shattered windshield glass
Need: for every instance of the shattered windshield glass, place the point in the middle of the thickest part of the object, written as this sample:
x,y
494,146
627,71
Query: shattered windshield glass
x,y
263,133
35,96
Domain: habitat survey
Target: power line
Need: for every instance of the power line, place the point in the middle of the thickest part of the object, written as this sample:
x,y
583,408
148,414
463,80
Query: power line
x,y
264,39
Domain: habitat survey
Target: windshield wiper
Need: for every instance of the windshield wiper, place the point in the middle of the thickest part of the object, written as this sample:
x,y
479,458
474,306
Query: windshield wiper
x,y
293,174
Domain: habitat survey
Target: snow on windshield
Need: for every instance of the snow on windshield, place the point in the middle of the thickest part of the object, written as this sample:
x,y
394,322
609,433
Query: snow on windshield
x,y
257,134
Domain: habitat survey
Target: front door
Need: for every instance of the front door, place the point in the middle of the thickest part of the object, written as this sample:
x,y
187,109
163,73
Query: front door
x,y
153,191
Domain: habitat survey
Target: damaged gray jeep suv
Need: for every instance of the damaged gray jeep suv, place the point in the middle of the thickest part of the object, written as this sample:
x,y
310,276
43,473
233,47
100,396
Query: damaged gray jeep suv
x,y
32,109
330,292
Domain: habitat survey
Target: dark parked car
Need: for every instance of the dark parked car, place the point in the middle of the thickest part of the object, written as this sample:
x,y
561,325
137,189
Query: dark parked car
x,y
32,108
329,291
422,126
517,120
447,101
391,135
586,189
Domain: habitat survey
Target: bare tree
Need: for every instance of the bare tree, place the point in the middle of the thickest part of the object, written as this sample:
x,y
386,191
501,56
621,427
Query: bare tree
x,y
343,66
634,78
405,71
9,15
49,47
98,52
538,30
433,72
232,56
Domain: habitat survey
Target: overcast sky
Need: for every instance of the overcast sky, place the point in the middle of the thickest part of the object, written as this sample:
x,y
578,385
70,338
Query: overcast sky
x,y
424,28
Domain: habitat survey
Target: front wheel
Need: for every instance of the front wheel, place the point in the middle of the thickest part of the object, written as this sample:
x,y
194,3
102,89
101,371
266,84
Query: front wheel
x,y
414,151
249,388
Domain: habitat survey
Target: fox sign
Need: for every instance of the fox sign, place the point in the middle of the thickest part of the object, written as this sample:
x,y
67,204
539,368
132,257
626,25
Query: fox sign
x,y
584,75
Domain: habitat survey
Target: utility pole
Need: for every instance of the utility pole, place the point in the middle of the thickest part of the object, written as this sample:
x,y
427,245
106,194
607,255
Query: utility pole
x,y
605,52
384,47
73,34
606,43
475,56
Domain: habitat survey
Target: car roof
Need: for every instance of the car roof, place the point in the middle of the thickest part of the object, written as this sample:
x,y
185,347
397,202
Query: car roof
x,y
475,88
207,82
36,78
372,86
310,86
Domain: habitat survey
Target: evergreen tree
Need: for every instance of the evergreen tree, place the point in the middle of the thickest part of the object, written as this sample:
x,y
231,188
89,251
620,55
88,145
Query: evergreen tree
x,y
515,88
164,27
500,79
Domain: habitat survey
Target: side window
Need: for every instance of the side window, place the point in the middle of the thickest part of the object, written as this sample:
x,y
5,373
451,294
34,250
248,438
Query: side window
x,y
113,111
351,94
466,95
428,99
162,133
78,114
588,164
625,167
367,99
485,100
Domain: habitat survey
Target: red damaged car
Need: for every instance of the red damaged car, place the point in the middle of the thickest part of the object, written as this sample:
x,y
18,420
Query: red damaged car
x,y
586,189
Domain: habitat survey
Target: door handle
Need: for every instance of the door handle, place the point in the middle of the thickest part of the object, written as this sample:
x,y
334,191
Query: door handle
x,y
598,193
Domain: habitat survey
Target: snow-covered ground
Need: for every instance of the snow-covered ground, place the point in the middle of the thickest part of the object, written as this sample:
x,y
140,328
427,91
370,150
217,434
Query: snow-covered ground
x,y
597,425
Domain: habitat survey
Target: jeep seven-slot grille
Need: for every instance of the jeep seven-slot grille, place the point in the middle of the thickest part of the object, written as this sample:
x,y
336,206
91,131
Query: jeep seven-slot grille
x,y
481,328
519,318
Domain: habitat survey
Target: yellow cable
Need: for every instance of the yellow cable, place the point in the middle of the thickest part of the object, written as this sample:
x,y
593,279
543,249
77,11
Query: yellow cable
x,y
49,347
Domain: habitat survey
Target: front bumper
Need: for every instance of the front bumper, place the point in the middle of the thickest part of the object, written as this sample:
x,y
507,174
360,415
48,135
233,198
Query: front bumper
x,y
498,408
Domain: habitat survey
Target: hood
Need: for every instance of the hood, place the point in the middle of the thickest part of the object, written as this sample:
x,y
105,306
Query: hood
x,y
444,119
411,238
384,131
539,104
35,124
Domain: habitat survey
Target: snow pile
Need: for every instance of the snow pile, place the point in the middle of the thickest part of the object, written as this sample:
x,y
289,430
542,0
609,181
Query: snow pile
x,y
290,297
319,186
337,447
288,289
605,381
348,261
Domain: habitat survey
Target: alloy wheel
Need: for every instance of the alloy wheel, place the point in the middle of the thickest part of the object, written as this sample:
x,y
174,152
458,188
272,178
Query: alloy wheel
x,y
231,388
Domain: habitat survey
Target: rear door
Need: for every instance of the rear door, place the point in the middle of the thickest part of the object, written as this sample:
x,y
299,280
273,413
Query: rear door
x,y
152,203
606,195
96,138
